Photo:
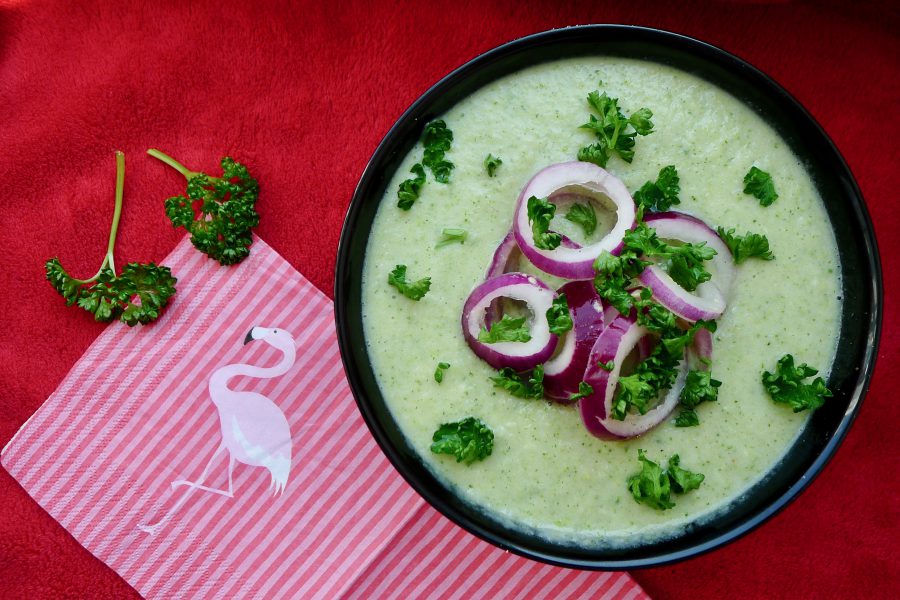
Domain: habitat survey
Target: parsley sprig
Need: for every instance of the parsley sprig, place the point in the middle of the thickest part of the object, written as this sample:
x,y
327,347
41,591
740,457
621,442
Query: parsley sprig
x,y
437,139
452,235
439,371
583,215
408,192
759,184
414,290
540,213
615,133
469,440
786,385
660,195
558,315
699,387
751,245
654,485
137,295
491,164
507,329
528,385
584,390
221,225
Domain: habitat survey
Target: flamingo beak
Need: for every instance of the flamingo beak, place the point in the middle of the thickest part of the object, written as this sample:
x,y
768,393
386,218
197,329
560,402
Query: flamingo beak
x,y
249,337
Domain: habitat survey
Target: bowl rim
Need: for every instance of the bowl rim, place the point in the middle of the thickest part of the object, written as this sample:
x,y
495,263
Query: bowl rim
x,y
705,51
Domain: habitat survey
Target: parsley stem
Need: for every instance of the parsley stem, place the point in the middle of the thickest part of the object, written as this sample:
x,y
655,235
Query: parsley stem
x,y
117,211
615,136
117,214
188,174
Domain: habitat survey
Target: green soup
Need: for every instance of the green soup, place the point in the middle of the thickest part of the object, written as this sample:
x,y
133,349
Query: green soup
x,y
546,472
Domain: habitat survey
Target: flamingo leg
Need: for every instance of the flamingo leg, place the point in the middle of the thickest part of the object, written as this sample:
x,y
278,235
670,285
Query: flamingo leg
x,y
154,527
230,481
198,485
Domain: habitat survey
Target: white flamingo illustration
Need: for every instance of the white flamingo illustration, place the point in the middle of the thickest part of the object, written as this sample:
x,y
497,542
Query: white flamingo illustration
x,y
254,430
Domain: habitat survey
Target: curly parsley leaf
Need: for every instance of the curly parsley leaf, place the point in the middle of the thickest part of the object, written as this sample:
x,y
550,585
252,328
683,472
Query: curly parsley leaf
x,y
685,264
451,235
699,386
651,486
654,485
615,133
654,316
660,195
584,216
137,295
437,139
613,275
751,245
584,390
682,480
148,288
414,290
640,120
607,366
558,315
786,385
491,163
439,371
65,285
507,329
529,385
675,341
687,417
218,212
540,213
408,192
469,440
759,184
597,153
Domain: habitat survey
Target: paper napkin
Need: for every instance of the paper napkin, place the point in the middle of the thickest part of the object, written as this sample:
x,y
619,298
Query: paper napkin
x,y
218,453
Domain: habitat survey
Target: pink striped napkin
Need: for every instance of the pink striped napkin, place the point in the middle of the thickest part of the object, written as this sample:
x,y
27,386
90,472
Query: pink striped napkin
x,y
197,465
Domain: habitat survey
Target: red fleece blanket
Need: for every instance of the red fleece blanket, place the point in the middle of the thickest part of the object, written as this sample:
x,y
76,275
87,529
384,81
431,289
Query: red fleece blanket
x,y
304,92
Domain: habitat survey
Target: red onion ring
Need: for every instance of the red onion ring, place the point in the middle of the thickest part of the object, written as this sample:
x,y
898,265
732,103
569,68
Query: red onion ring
x,y
506,258
686,228
706,303
588,180
520,356
564,372
615,343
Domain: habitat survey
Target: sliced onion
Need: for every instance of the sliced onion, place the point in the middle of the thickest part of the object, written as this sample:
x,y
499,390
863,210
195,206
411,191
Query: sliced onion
x,y
615,343
707,303
506,259
564,372
520,356
686,228
587,180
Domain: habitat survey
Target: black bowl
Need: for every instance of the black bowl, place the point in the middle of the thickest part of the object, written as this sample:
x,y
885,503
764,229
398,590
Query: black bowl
x,y
862,284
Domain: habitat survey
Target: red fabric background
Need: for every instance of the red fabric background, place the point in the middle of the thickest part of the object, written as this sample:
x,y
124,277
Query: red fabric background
x,y
303,93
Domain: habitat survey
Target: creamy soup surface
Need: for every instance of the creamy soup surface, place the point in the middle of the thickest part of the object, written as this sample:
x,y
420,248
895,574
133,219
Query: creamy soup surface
x,y
546,473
